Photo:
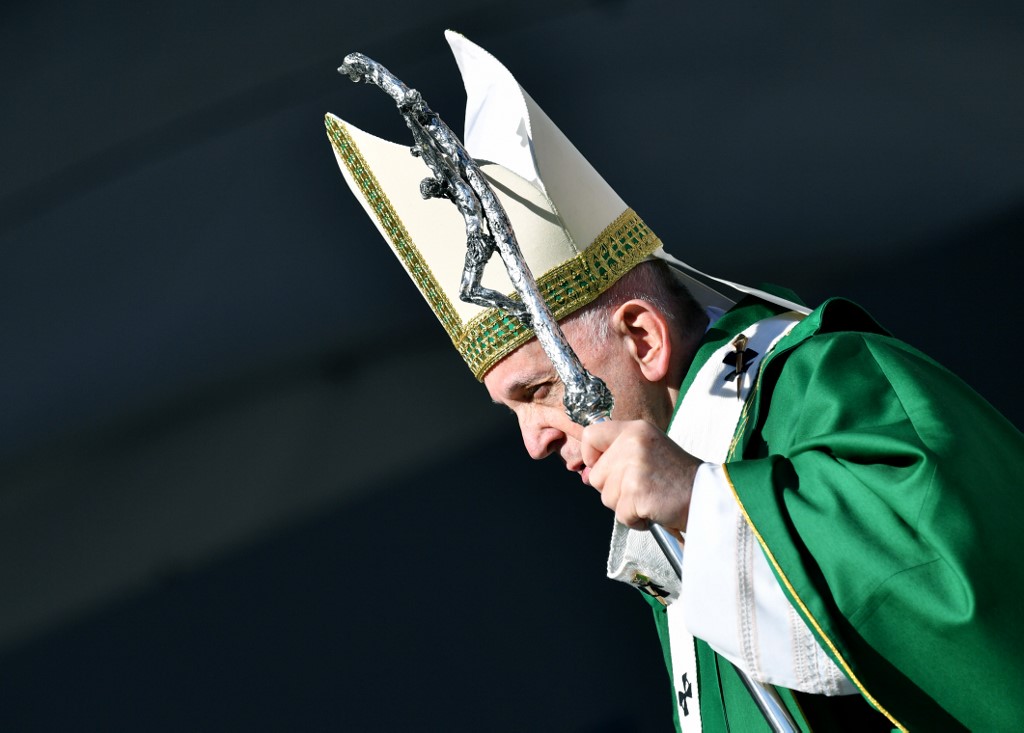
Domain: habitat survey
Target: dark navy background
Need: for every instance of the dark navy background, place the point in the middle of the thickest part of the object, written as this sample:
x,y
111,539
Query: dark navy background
x,y
246,484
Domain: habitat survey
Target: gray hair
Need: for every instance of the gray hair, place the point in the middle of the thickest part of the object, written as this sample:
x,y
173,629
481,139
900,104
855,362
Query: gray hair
x,y
651,281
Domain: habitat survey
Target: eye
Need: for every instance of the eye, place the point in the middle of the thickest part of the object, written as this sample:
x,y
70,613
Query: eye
x,y
546,391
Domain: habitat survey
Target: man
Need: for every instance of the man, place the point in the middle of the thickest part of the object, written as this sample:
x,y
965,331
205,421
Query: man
x,y
846,505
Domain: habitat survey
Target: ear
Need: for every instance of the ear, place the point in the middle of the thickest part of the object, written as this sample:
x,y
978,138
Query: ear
x,y
647,335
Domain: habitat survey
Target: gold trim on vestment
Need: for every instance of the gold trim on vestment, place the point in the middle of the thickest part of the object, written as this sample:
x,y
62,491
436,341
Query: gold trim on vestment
x,y
803,607
492,335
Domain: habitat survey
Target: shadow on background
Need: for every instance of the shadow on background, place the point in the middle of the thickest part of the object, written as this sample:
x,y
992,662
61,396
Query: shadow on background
x,y
377,616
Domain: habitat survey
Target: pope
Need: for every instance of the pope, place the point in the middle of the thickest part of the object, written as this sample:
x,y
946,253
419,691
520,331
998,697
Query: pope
x,y
846,505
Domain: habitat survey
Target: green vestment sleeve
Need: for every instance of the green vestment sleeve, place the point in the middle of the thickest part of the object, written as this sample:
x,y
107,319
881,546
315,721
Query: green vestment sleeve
x,y
887,496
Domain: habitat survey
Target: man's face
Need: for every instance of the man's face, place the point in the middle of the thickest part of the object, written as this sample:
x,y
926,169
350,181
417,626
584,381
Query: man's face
x,y
527,384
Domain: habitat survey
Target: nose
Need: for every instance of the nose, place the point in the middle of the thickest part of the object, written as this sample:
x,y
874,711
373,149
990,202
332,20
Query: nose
x,y
541,440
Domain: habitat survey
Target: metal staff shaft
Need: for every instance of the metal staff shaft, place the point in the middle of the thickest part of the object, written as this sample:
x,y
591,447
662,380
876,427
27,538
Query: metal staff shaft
x,y
488,230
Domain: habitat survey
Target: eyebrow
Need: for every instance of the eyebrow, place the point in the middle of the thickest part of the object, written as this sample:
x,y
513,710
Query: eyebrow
x,y
524,381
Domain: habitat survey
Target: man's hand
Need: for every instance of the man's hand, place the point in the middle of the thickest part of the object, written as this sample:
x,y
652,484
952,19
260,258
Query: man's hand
x,y
642,475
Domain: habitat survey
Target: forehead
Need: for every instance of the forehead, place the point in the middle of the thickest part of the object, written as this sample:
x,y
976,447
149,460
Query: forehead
x,y
524,367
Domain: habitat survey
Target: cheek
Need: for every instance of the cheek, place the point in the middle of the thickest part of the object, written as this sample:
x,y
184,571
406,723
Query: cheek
x,y
618,384
628,402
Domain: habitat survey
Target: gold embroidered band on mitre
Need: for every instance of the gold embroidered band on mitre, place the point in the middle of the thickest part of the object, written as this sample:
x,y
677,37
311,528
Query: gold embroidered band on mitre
x,y
492,335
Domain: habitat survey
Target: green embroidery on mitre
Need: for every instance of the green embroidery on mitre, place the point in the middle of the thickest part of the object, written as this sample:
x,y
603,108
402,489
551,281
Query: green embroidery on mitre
x,y
626,242
489,335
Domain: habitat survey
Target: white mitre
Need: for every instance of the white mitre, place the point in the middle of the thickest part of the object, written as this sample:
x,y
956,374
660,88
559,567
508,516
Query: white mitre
x,y
577,235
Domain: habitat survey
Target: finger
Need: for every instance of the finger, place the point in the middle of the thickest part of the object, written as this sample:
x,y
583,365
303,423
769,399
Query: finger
x,y
609,496
626,513
604,472
597,438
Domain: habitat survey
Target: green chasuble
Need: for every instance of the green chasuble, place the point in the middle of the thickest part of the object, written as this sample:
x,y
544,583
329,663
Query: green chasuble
x,y
886,495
